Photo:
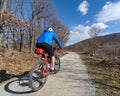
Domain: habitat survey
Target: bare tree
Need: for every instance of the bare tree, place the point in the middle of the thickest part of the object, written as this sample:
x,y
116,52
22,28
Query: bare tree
x,y
61,30
94,33
39,15
24,23
21,29
3,5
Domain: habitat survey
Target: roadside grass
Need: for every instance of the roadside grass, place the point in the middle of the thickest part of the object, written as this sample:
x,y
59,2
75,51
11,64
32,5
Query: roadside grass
x,y
105,79
14,63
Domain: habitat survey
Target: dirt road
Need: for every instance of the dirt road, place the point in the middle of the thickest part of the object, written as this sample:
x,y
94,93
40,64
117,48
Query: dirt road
x,y
72,80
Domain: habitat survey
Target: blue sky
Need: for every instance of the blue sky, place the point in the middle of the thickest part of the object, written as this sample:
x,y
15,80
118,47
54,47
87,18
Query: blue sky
x,y
82,15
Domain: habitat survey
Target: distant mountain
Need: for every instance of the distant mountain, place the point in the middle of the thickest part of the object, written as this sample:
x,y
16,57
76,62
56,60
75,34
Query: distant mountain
x,y
111,40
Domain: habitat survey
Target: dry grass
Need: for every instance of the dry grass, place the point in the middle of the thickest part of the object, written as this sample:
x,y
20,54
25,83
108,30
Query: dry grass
x,y
105,77
14,63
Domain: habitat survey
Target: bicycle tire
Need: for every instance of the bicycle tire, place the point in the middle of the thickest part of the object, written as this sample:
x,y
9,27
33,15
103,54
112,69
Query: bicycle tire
x,y
57,64
39,79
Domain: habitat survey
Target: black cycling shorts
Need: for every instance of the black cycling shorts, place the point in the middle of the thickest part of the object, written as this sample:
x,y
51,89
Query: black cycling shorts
x,y
46,47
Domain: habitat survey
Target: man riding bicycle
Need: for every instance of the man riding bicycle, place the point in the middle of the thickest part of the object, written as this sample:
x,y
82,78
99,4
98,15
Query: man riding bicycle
x,y
45,41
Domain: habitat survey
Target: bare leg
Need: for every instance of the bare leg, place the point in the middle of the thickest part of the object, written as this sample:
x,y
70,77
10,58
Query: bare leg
x,y
53,62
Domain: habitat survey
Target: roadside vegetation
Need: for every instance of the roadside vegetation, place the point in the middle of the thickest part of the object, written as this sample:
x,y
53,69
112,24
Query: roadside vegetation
x,y
104,74
101,54
14,63
21,22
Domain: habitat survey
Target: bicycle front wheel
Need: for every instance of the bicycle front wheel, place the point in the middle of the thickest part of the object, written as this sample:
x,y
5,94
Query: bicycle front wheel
x,y
36,77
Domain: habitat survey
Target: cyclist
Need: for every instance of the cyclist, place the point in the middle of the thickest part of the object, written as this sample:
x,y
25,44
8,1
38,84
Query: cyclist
x,y
45,41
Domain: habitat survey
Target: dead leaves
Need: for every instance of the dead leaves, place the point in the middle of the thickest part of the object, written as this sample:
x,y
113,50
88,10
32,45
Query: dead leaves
x,y
17,62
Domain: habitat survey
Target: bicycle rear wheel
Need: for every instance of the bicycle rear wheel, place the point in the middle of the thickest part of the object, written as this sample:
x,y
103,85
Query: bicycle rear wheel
x,y
57,64
36,78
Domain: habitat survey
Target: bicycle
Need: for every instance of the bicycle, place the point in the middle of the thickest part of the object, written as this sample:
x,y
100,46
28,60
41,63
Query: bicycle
x,y
40,71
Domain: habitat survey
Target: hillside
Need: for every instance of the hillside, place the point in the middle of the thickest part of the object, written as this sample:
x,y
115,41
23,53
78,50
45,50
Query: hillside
x,y
112,40
104,65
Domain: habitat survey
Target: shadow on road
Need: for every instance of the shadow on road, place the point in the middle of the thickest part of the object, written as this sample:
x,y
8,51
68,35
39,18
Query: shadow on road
x,y
18,86
4,76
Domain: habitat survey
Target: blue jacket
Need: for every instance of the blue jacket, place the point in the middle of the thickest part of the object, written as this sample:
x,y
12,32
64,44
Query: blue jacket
x,y
48,37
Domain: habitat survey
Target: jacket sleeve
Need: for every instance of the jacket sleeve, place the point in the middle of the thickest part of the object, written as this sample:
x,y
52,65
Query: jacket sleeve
x,y
57,41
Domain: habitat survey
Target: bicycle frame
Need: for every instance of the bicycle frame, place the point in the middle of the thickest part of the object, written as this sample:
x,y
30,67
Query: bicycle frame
x,y
40,71
41,52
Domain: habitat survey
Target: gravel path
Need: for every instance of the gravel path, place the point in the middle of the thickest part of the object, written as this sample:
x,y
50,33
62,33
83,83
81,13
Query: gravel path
x,y
72,80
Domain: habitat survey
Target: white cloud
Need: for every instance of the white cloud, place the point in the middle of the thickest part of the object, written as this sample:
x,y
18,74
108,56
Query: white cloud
x,y
107,5
100,25
96,28
80,32
83,7
109,12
